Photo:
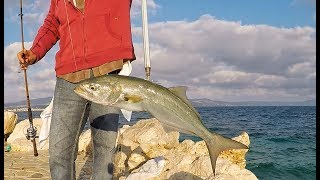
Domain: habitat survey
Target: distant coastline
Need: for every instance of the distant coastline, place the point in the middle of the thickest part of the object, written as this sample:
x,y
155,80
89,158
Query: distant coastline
x,y
41,103
18,109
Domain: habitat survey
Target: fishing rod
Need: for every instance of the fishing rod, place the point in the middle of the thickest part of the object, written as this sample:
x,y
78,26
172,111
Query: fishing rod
x,y
144,15
31,131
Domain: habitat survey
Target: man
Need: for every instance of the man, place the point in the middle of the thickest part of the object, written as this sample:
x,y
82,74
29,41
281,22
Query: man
x,y
95,39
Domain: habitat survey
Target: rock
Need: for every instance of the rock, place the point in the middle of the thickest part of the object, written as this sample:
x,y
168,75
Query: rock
x,y
135,159
237,156
228,170
147,134
120,163
18,139
85,143
10,120
145,140
186,160
19,142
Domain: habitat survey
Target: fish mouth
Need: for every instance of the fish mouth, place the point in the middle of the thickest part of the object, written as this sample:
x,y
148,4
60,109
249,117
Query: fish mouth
x,y
79,90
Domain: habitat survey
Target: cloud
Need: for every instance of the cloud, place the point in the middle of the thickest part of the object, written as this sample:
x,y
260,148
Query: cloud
x,y
216,59
41,77
136,8
213,55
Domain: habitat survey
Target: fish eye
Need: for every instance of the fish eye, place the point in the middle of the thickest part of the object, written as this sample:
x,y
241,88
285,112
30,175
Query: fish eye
x,y
92,87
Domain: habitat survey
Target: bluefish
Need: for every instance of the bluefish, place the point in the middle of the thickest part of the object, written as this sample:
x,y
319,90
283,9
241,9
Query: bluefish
x,y
169,105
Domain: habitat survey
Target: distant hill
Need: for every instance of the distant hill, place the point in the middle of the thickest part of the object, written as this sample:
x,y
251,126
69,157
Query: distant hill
x,y
42,102
275,103
210,103
33,102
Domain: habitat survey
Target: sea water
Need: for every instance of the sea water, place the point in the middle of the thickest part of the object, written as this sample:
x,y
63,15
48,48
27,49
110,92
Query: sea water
x,y
282,138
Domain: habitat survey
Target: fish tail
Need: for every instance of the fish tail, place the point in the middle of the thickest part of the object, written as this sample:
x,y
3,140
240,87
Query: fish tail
x,y
217,143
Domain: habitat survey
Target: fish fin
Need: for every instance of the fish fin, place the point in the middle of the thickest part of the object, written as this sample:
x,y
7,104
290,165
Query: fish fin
x,y
126,114
132,98
181,92
217,143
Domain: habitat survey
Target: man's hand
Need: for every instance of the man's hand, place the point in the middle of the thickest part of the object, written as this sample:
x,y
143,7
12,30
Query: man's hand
x,y
26,58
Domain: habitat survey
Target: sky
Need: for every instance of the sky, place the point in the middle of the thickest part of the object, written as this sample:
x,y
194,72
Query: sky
x,y
245,50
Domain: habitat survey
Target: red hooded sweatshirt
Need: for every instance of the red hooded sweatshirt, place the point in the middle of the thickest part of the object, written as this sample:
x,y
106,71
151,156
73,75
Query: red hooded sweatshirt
x,y
99,34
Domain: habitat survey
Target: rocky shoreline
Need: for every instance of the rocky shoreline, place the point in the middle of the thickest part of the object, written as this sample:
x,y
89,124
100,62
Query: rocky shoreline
x,y
144,150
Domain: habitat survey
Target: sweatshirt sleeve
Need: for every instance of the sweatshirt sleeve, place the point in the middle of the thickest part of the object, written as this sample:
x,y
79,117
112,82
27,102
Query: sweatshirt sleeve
x,y
48,33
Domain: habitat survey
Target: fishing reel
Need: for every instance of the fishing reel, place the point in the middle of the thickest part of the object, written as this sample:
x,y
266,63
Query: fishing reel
x,y
31,133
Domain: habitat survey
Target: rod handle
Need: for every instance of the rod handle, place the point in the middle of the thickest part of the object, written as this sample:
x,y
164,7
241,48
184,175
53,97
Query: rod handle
x,y
35,151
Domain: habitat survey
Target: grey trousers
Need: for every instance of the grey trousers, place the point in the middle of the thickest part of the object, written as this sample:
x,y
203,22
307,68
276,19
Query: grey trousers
x,y
69,116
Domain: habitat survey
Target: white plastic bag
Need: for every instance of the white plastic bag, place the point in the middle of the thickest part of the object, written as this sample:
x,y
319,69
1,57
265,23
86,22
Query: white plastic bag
x,y
150,169
45,128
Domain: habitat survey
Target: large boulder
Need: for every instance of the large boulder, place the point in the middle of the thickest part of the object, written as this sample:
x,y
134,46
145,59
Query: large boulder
x,y
18,139
10,120
19,142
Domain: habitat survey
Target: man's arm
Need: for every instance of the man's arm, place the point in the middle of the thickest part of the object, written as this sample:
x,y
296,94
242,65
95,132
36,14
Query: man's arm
x,y
48,34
